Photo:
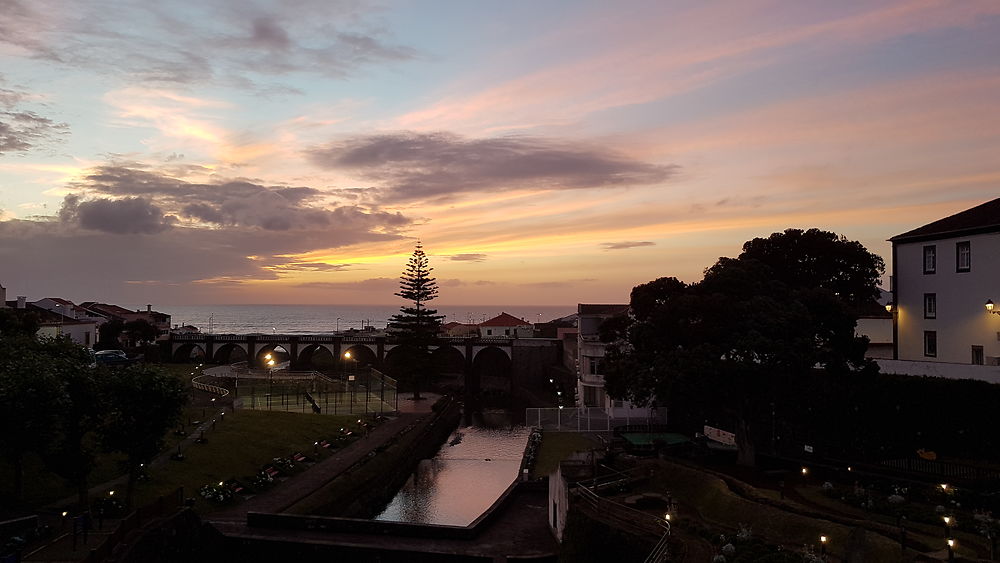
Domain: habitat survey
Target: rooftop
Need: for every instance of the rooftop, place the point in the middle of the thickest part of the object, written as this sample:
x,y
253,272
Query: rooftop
x,y
983,218
503,319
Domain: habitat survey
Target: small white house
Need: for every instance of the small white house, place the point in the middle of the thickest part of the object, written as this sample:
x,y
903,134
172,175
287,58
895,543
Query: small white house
x,y
508,326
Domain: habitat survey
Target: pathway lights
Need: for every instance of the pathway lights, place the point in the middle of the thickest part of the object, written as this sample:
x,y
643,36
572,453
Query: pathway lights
x,y
822,545
805,471
951,550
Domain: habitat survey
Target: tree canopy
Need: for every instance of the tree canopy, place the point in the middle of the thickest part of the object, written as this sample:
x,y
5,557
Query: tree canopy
x,y
417,326
750,323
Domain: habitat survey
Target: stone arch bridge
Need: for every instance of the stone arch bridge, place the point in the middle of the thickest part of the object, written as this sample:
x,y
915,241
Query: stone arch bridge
x,y
507,364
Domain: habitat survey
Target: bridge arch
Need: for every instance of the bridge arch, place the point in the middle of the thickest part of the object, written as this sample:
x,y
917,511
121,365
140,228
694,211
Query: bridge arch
x,y
317,357
361,355
277,352
448,360
398,359
190,352
230,353
492,367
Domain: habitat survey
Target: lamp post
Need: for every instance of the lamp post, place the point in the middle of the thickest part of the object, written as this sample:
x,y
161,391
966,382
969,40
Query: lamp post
x,y
947,525
822,544
951,550
59,305
991,308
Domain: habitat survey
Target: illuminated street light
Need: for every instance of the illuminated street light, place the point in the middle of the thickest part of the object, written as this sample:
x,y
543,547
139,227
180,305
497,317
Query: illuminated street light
x,y
822,545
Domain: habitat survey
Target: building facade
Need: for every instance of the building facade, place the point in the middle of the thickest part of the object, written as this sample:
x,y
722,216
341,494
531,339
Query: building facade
x,y
946,275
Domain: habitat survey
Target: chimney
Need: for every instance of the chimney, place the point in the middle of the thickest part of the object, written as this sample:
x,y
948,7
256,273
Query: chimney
x,y
149,308
22,302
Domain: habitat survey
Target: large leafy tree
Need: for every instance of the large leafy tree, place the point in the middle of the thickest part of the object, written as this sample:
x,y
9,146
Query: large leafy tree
x,y
29,395
732,339
109,335
142,404
416,325
140,331
72,453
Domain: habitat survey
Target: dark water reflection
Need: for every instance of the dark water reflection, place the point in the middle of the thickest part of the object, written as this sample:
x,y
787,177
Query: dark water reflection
x,y
467,475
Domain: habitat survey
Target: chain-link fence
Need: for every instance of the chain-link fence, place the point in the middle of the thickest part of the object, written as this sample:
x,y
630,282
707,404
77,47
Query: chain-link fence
x,y
588,419
360,392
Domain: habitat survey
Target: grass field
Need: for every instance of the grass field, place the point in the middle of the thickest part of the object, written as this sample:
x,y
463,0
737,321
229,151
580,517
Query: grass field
x,y
238,447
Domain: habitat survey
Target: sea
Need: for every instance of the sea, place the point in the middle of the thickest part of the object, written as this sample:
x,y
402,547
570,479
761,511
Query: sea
x,y
327,319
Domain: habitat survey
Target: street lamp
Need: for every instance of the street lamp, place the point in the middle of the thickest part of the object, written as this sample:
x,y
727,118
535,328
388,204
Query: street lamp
x,y
822,545
890,307
990,307
951,550
949,521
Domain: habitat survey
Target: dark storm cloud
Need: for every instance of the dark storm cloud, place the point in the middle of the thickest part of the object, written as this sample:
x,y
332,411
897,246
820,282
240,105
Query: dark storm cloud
x,y
231,42
129,216
414,166
626,244
240,203
129,227
468,257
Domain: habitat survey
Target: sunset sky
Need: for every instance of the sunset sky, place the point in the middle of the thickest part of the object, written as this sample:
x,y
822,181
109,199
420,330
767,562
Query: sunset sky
x,y
544,152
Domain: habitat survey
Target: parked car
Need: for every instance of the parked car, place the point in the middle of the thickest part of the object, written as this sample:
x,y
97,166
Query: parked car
x,y
112,358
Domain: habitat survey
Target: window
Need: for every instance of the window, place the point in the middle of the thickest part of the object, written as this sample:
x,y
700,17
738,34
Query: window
x,y
977,355
930,259
595,366
930,343
963,256
930,305
506,331
590,396
489,332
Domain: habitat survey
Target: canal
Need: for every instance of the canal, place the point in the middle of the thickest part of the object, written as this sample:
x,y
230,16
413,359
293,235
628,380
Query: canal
x,y
467,475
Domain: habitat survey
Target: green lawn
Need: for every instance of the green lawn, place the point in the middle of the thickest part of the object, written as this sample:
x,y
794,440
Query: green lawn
x,y
238,447
557,446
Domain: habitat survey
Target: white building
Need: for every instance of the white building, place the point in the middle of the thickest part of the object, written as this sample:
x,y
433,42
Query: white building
x,y
946,275
590,355
507,326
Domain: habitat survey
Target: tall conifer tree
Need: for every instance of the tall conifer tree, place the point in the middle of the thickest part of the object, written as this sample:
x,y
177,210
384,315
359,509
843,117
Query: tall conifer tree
x,y
416,325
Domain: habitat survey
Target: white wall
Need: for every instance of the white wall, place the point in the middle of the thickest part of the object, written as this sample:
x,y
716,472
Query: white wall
x,y
962,320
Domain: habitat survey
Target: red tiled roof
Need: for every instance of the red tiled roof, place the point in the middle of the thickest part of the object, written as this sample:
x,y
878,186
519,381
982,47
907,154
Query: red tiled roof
x,y
605,309
503,319
983,218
